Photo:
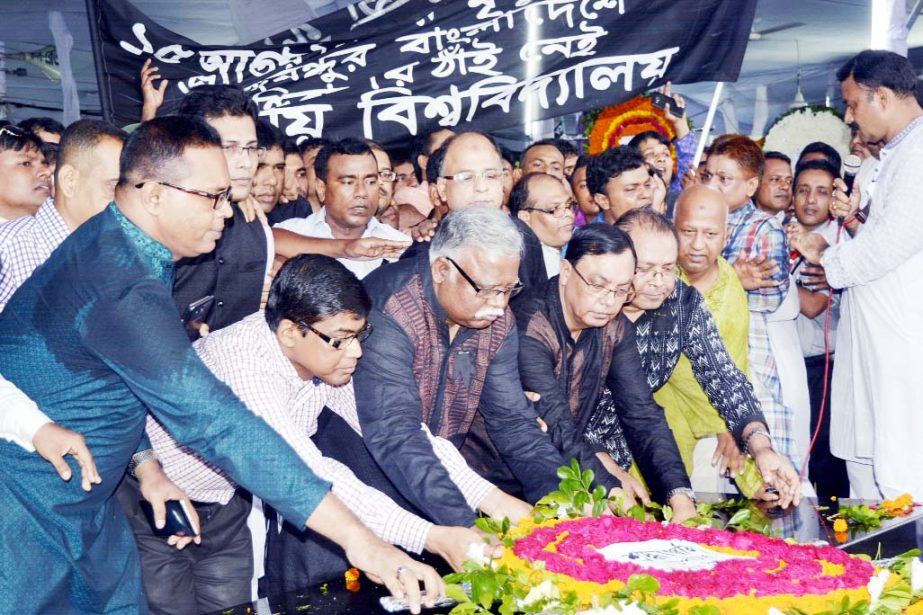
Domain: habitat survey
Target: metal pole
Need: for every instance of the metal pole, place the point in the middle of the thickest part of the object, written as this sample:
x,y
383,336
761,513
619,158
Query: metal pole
x,y
914,13
706,129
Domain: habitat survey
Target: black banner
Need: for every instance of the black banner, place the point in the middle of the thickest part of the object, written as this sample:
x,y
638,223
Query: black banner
x,y
389,69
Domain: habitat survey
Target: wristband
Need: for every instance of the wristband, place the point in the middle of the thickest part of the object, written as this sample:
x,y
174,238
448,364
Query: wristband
x,y
139,458
757,431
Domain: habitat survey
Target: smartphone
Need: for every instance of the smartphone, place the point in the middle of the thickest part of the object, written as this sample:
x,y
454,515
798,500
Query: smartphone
x,y
179,521
196,312
662,100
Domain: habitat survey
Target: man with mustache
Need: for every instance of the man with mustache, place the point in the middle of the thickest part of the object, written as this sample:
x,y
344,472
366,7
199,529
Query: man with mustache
x,y
25,178
94,339
445,351
574,342
348,183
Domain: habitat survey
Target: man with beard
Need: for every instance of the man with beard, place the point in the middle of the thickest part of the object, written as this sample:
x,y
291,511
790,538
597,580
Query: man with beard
x,y
349,184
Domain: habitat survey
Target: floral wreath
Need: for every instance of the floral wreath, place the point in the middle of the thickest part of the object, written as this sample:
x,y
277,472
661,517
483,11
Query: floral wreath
x,y
795,128
768,571
609,127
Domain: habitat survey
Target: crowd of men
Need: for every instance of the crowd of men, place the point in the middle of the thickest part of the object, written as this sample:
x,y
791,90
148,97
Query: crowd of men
x,y
368,348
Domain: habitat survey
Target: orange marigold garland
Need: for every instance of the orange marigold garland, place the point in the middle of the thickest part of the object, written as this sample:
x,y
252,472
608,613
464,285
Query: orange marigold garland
x,y
352,579
619,122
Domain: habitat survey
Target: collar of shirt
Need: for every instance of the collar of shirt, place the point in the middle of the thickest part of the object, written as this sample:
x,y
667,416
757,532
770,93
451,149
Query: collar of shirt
x,y
904,133
158,255
51,221
319,220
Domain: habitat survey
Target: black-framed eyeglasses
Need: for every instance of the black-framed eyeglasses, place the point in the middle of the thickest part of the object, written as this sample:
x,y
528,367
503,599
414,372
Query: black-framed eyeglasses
x,y
218,198
340,343
559,211
623,294
487,293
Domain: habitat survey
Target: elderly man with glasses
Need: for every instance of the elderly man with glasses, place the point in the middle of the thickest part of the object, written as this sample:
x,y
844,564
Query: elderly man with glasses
x,y
544,203
574,340
670,319
444,352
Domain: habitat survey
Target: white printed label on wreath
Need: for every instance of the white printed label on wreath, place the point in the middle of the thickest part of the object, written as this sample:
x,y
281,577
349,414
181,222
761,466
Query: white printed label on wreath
x,y
666,555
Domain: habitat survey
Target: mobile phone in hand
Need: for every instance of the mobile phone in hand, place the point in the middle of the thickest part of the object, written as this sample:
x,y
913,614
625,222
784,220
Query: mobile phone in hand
x,y
662,100
178,521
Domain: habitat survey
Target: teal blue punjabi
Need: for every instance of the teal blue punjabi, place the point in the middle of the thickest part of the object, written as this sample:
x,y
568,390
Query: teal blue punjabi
x,y
95,339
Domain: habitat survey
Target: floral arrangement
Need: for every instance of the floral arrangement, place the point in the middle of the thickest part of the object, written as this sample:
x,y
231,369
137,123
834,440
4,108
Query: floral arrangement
x,y
797,127
614,124
865,517
552,563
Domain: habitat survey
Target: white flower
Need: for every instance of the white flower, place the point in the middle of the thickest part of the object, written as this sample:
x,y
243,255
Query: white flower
x,y
543,592
774,611
876,586
916,575
790,134
477,553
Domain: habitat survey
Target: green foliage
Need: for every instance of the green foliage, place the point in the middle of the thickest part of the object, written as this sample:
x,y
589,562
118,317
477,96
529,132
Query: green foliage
x,y
575,496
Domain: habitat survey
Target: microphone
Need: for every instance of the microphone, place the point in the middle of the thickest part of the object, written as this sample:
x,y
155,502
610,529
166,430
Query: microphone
x,y
851,166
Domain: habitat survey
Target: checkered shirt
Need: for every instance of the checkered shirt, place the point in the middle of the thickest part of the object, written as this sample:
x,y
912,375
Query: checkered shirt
x,y
247,357
26,243
753,233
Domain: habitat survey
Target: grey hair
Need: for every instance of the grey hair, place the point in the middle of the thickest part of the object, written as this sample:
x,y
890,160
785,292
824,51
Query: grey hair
x,y
480,228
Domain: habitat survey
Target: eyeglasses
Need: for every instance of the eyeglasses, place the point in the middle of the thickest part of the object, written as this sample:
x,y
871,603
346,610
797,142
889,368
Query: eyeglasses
x,y
235,151
623,294
340,343
468,177
487,293
650,274
14,132
218,198
559,211
387,176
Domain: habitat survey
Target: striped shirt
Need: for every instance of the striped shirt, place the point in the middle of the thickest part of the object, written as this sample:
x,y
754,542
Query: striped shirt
x,y
247,357
753,232
26,243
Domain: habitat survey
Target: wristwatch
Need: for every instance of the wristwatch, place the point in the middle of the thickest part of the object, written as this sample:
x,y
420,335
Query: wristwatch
x,y
686,491
758,431
139,458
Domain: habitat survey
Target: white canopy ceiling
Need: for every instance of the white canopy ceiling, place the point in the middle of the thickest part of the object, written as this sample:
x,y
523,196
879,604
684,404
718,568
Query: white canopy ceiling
x,y
830,31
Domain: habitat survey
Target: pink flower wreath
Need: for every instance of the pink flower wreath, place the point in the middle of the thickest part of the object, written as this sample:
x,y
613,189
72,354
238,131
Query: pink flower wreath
x,y
775,566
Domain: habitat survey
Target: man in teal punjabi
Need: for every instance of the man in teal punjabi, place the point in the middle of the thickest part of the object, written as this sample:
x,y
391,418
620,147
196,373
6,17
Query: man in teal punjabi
x,y
93,337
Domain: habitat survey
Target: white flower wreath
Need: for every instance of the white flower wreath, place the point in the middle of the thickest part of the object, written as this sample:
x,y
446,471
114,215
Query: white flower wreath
x,y
798,127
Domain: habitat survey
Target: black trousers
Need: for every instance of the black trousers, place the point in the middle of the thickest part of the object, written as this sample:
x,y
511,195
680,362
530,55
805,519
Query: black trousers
x,y
297,557
201,578
827,473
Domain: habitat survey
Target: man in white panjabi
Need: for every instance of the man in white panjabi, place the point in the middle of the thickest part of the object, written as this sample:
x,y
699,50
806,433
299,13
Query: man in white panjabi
x,y
876,423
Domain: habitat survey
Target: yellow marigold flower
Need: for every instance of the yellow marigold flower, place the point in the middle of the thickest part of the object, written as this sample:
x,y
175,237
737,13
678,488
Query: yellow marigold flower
x,y
840,525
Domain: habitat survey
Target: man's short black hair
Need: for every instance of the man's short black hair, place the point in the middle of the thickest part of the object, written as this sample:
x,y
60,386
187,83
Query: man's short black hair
x,y
774,155
508,155
214,101
596,239
827,151
349,146
549,142
816,165
14,138
83,136
313,287
641,137
876,68
45,124
434,163
313,143
566,147
151,151
399,155
582,161
290,148
610,164
422,145
268,136
519,196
